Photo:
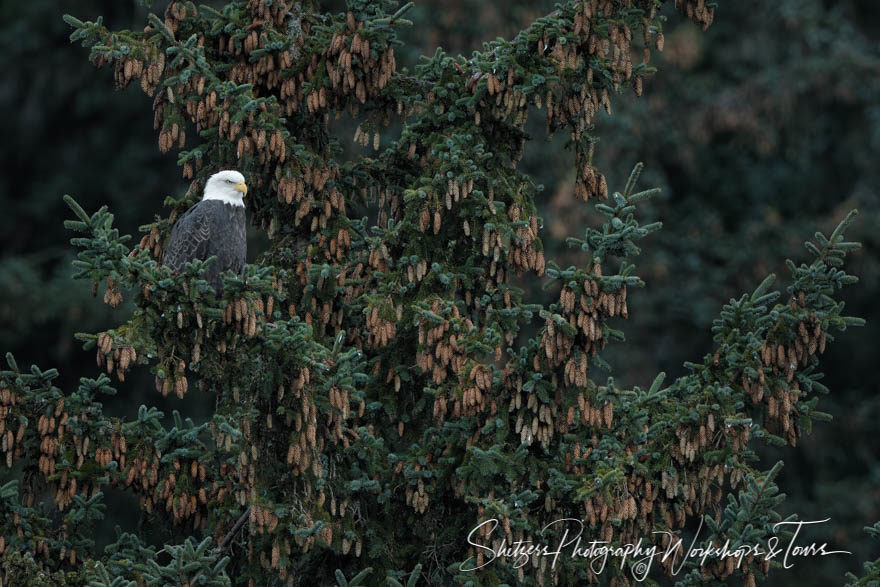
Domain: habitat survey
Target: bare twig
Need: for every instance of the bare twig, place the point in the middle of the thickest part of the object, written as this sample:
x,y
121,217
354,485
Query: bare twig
x,y
238,524
228,538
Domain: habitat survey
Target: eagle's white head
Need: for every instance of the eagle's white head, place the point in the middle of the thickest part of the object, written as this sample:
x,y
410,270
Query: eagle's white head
x,y
227,186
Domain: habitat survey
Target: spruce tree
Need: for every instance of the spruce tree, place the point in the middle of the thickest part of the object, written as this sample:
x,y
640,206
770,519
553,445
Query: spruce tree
x,y
382,382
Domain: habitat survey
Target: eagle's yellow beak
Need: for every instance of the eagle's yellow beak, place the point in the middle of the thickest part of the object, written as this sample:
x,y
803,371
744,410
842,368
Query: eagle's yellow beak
x,y
241,187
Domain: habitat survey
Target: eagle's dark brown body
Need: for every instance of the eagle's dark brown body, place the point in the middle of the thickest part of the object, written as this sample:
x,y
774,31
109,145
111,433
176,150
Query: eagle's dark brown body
x,y
209,228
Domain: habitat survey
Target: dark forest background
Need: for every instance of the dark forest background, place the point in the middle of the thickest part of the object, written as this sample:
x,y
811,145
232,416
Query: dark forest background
x,y
760,132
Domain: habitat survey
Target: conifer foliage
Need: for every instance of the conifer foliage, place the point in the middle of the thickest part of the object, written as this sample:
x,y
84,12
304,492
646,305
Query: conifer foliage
x,y
381,384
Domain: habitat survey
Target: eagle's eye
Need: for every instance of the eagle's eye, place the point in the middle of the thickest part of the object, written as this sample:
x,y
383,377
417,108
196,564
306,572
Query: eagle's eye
x,y
229,181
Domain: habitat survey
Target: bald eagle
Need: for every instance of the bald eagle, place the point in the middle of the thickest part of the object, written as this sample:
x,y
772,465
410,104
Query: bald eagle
x,y
214,226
